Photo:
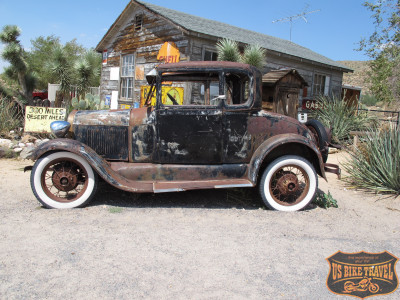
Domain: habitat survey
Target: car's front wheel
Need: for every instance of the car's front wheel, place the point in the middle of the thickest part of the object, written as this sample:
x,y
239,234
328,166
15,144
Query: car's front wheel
x,y
63,180
288,183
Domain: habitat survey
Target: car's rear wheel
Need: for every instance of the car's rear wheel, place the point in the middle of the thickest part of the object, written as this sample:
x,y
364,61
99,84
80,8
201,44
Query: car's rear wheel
x,y
288,183
321,137
63,180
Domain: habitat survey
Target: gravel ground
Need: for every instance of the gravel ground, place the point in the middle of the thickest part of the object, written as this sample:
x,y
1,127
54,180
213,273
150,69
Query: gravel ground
x,y
211,244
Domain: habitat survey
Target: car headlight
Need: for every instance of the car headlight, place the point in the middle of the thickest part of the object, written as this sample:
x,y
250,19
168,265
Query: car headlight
x,y
60,128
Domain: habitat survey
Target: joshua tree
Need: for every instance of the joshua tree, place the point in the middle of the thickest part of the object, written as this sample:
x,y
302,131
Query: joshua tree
x,y
87,70
61,69
15,55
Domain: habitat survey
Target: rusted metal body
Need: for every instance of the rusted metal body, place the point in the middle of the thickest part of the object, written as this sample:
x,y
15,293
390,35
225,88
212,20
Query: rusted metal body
x,y
176,148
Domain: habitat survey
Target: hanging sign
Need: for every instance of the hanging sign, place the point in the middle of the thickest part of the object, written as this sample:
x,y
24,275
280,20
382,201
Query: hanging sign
x,y
169,53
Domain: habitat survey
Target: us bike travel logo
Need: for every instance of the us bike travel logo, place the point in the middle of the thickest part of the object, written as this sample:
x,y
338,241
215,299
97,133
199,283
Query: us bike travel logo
x,y
362,274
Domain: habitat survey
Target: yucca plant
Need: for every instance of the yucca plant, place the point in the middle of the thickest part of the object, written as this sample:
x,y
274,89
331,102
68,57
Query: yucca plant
x,y
254,55
342,118
375,164
228,50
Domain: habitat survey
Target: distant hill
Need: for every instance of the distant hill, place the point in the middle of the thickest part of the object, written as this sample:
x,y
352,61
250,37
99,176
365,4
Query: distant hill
x,y
358,77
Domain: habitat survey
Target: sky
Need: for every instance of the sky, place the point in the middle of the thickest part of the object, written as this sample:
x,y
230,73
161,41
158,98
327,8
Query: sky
x,y
333,30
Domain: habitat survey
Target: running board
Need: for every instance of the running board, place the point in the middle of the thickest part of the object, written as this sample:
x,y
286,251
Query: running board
x,y
180,186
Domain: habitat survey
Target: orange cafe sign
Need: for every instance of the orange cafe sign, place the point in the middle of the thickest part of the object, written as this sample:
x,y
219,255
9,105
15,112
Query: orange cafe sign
x,y
169,53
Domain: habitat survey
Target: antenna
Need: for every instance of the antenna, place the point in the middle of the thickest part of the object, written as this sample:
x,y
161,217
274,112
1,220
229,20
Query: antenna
x,y
295,17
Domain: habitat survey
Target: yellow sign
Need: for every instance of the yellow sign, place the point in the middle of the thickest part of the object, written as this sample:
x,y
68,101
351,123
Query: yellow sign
x,y
38,119
169,53
170,95
125,106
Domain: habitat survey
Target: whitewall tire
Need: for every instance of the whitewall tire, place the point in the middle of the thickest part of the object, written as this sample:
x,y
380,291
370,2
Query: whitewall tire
x,y
63,180
288,183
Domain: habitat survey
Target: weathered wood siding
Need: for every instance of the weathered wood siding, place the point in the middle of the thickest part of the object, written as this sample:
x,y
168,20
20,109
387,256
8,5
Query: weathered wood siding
x,y
306,70
145,44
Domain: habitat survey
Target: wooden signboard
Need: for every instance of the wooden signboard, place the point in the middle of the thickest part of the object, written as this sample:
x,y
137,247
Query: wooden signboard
x,y
38,119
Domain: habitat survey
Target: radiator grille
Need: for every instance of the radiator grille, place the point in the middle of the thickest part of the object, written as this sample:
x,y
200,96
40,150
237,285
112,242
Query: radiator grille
x,y
111,142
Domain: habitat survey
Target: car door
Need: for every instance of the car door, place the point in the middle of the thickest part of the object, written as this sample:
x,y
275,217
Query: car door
x,y
190,133
237,140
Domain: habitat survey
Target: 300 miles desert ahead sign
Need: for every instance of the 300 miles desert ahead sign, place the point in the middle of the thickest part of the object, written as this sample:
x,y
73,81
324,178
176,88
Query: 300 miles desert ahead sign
x,y
38,119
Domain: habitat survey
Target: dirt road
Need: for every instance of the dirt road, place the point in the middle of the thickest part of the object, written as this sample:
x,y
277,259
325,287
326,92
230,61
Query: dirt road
x,y
190,245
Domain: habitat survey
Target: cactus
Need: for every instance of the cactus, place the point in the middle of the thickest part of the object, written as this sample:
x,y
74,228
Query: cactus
x,y
82,105
90,103
96,99
89,97
75,103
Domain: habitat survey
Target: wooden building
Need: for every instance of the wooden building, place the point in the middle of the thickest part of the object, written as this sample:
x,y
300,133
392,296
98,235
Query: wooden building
x,y
281,91
138,39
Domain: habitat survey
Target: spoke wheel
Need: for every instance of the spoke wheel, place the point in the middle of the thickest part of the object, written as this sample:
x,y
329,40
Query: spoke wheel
x,y
63,180
289,183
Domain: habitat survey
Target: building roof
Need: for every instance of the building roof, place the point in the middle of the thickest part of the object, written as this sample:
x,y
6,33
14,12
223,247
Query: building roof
x,y
221,30
272,77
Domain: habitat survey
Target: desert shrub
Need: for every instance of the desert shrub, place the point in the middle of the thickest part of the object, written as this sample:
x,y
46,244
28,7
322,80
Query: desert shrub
x,y
375,164
324,200
11,116
369,100
342,118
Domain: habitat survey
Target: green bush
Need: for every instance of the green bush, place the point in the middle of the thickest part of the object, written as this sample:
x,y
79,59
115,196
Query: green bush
x,y
369,100
11,116
324,200
341,118
375,164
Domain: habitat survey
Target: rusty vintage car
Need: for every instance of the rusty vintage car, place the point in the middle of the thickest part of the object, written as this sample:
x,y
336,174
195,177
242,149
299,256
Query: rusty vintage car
x,y
214,136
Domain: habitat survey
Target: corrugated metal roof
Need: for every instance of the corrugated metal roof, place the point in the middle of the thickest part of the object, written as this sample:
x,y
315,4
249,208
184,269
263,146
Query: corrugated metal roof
x,y
222,30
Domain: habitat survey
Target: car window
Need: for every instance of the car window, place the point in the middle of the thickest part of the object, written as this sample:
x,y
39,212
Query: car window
x,y
237,88
190,88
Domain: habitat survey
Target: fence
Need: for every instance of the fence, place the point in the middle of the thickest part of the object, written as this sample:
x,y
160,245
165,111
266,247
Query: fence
x,y
392,117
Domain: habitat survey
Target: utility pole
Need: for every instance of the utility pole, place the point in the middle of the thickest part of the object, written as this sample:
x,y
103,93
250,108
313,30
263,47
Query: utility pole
x,y
295,17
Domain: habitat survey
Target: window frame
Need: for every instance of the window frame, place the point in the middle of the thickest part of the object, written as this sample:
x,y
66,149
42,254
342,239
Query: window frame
x,y
127,76
322,88
211,50
138,22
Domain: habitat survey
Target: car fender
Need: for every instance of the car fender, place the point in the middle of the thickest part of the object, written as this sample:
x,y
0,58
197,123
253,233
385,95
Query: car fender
x,y
99,164
272,143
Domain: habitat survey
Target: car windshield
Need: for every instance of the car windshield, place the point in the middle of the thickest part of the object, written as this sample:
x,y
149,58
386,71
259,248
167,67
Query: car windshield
x,y
203,88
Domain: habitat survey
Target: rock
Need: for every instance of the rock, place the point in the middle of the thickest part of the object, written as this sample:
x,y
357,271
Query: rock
x,y
3,151
45,140
38,142
29,144
27,152
21,145
17,150
28,139
12,132
5,142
